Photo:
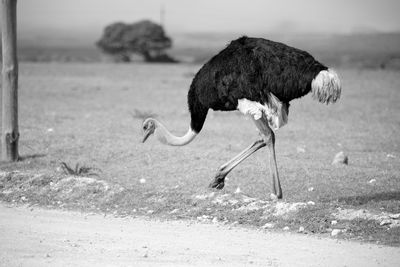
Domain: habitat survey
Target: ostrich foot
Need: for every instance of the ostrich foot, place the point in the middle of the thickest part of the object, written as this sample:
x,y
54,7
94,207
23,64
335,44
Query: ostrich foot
x,y
276,196
218,182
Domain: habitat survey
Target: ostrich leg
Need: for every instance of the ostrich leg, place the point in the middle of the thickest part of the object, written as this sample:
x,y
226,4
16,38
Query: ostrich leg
x,y
219,180
269,139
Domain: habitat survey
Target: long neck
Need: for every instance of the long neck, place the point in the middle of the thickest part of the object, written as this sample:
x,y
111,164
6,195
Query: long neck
x,y
166,137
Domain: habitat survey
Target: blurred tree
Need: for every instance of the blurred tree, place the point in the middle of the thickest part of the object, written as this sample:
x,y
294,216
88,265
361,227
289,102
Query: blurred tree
x,y
144,37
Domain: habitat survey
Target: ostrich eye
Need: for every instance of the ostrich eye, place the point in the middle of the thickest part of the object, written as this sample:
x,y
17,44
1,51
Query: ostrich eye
x,y
144,127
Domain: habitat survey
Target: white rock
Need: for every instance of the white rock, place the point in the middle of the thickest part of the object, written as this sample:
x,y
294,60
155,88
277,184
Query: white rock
x,y
310,189
247,199
340,158
372,181
201,197
395,216
273,197
312,203
334,222
204,218
205,196
215,220
233,201
268,226
335,232
391,156
301,229
300,149
286,228
174,211
237,191
385,222
142,181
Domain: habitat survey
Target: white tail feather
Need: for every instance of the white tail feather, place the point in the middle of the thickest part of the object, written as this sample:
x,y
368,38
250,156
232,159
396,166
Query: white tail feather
x,y
326,86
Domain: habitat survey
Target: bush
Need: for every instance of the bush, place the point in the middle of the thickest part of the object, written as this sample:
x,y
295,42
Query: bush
x,y
145,38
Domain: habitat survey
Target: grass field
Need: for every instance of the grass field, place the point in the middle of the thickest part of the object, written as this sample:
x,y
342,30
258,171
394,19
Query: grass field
x,y
91,114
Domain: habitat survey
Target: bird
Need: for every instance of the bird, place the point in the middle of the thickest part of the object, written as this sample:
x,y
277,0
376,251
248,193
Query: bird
x,y
260,78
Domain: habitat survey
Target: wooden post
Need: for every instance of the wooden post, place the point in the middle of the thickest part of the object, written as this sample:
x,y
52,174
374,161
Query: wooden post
x,y
9,130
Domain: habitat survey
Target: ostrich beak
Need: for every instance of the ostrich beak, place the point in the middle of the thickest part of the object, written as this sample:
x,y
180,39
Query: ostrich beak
x,y
146,135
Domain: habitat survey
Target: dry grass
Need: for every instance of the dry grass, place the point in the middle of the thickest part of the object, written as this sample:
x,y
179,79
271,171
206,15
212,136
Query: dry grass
x,y
92,114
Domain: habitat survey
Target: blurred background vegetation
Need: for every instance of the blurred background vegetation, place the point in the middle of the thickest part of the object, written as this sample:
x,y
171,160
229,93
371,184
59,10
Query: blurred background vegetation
x,y
354,34
361,50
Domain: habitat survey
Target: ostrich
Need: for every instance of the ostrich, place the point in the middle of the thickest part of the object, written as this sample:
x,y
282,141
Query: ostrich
x,y
259,78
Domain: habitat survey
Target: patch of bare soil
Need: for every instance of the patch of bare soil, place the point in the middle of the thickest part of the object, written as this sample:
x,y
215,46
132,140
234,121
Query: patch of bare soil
x,y
89,194
38,237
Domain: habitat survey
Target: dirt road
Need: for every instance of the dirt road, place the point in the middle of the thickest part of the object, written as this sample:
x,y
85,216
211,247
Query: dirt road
x,y
38,237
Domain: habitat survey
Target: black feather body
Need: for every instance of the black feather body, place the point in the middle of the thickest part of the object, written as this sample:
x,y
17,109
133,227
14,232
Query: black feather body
x,y
250,68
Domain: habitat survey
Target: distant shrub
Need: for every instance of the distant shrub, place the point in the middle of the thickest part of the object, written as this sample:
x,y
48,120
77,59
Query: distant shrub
x,y
145,38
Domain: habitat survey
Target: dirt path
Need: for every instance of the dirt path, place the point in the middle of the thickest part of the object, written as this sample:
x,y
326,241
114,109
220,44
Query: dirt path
x,y
37,237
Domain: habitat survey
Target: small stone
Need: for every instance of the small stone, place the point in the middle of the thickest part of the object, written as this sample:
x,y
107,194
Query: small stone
x,y
273,197
385,222
204,218
142,181
50,130
310,189
312,203
334,222
215,220
145,255
335,232
237,191
286,228
372,181
340,158
300,149
391,156
48,255
395,216
174,211
233,201
301,229
268,226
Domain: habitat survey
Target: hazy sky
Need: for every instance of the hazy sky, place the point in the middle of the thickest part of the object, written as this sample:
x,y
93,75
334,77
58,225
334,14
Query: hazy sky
x,y
244,16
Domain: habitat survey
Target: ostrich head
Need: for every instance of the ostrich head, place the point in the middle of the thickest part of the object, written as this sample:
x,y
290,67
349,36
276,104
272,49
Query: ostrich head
x,y
148,127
